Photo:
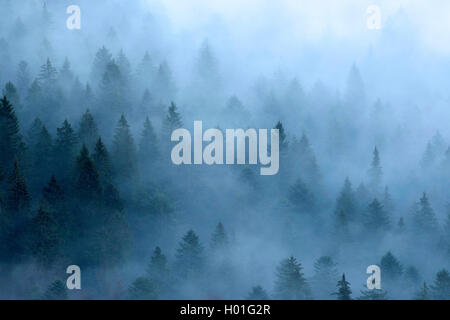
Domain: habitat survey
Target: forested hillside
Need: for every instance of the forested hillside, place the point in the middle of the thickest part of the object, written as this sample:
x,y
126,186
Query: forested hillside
x,y
86,176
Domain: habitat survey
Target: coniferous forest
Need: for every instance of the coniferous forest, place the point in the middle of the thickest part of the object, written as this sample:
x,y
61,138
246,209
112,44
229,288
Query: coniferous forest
x,y
86,176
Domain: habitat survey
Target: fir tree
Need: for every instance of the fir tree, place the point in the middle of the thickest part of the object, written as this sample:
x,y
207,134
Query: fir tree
x,y
148,146
291,283
87,184
88,132
441,287
346,201
102,58
424,219
391,268
325,277
64,149
102,162
124,150
283,143
375,172
219,239
300,198
158,264
173,120
376,218
10,139
46,245
142,289
343,292
189,257
48,74
18,197
23,79
11,93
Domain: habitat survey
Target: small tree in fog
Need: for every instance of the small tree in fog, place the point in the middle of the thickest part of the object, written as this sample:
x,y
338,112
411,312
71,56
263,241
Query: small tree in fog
x,y
189,256
343,289
441,287
291,283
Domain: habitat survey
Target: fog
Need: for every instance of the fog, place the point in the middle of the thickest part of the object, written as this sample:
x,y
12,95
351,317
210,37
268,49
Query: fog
x,y
364,174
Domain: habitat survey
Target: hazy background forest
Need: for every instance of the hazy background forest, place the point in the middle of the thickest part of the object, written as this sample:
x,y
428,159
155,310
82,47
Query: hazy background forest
x,y
86,177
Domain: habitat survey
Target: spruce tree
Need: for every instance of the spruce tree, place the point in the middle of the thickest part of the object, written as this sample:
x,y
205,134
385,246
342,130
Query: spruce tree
x,y
148,146
291,283
102,162
343,292
424,219
102,58
440,289
300,198
124,150
375,172
391,268
88,132
219,239
11,143
172,121
18,198
283,143
376,218
64,150
142,289
189,256
46,245
325,277
87,184
346,201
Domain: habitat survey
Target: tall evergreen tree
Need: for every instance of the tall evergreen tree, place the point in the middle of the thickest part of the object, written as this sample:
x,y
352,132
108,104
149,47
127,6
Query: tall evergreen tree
x,y
87,184
343,292
346,201
283,143
124,150
88,132
219,239
102,162
391,268
142,288
102,58
148,145
424,219
441,287
18,197
189,257
301,198
46,245
376,218
375,172
10,139
325,277
64,150
291,283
